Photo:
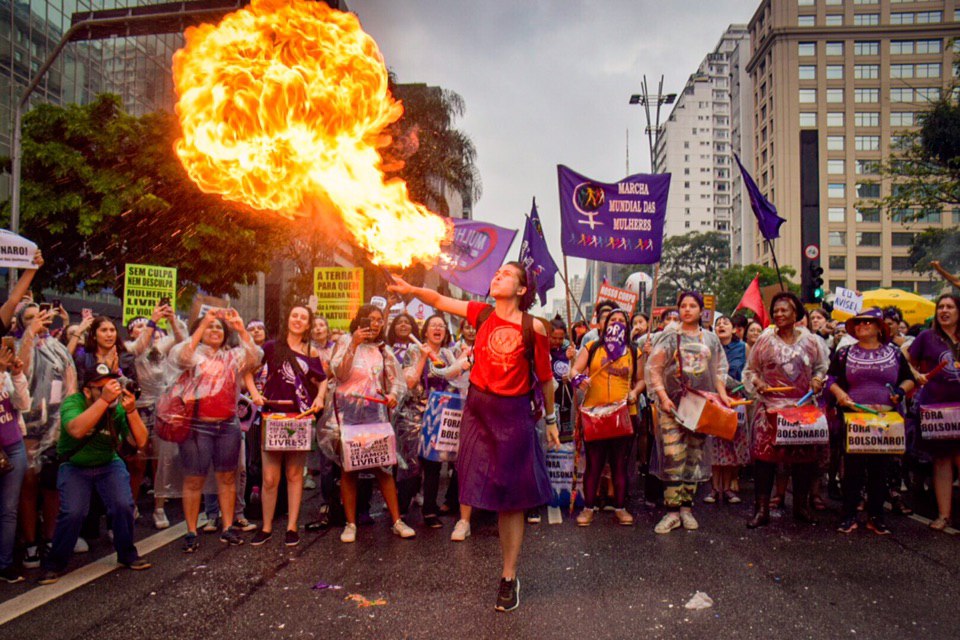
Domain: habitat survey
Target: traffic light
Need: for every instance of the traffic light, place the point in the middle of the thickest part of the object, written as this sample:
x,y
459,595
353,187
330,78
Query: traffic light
x,y
816,281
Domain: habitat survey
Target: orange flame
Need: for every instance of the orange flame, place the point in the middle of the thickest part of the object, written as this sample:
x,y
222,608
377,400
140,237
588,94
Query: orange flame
x,y
282,106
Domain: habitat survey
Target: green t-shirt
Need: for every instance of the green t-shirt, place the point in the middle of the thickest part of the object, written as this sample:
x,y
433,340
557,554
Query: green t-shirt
x,y
100,449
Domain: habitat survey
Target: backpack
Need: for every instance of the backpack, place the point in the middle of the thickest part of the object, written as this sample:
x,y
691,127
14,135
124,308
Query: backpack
x,y
529,345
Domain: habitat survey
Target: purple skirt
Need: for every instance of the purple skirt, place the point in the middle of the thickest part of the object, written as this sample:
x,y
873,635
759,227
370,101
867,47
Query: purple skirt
x,y
501,464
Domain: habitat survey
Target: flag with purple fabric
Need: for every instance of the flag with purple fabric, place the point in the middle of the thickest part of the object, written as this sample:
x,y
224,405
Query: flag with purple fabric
x,y
766,213
476,252
535,255
620,222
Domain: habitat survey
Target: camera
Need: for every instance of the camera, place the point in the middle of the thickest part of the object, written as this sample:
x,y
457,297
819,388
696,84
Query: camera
x,y
131,385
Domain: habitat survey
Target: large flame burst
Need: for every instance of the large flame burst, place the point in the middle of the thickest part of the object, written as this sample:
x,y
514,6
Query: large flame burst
x,y
282,106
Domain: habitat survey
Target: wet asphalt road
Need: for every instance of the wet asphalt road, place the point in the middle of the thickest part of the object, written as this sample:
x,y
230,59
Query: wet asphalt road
x,y
605,581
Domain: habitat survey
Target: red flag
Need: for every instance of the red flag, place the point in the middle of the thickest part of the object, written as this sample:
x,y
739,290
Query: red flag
x,y
753,301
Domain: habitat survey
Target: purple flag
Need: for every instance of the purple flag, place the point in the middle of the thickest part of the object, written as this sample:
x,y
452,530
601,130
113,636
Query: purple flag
x,y
620,222
535,255
477,251
766,213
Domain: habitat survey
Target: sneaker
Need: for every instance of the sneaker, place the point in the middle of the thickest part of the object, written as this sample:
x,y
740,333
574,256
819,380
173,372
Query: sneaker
x,y
668,523
260,537
711,497
11,575
137,565
309,483
81,546
291,538
731,497
231,538
211,525
585,517
533,516
878,527
31,559
49,577
349,533
461,531
849,525
242,524
689,522
432,521
190,543
508,595
160,520
136,513
623,517
401,529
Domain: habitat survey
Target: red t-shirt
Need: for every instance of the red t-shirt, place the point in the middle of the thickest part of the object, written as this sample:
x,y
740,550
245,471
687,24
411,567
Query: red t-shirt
x,y
499,364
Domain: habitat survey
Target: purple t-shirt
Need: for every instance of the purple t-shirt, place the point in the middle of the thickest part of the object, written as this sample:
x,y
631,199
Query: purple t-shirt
x,y
9,424
869,371
287,385
928,351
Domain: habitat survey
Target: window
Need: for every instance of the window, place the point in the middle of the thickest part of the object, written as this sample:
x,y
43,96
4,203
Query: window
x,y
865,71
868,215
835,167
866,1
835,143
808,72
866,119
836,190
868,263
866,143
929,17
867,167
835,119
808,119
927,70
837,238
834,72
901,71
901,94
834,20
834,95
866,48
806,21
901,263
808,96
834,48
835,214
866,95
901,47
838,262
868,238
866,19
900,239
806,3
927,94
867,285
807,48
902,18
903,118
868,190
929,46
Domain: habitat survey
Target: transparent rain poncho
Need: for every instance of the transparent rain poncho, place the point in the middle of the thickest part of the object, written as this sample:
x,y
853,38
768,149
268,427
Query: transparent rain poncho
x,y
52,378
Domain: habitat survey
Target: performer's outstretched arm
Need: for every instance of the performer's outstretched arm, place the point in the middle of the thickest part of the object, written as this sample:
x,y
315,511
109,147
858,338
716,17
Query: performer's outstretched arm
x,y
949,277
430,297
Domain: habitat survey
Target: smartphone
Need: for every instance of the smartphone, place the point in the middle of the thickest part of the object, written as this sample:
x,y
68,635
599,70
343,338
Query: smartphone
x,y
165,301
56,305
364,323
9,342
86,313
45,307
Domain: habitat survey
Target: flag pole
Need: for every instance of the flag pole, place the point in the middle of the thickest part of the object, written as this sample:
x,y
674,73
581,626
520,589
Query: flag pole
x,y
775,263
569,295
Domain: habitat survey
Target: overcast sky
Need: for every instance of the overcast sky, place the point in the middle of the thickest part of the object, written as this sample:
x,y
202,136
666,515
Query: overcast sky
x,y
548,82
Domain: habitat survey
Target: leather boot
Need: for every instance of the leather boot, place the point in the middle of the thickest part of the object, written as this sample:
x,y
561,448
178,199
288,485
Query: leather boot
x,y
761,513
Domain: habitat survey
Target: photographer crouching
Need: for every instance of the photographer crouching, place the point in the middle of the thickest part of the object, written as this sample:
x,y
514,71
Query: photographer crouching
x,y
93,423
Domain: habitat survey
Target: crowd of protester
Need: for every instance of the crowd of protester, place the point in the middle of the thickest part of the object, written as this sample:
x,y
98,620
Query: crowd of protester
x,y
91,414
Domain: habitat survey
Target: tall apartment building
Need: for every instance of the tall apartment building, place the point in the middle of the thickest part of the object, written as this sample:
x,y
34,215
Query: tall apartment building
x,y
695,142
835,83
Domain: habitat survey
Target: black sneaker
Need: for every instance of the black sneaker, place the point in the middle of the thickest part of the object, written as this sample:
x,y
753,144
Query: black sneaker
x,y
432,521
49,577
878,527
11,575
260,537
849,525
190,543
231,538
533,516
508,596
291,538
31,559
137,565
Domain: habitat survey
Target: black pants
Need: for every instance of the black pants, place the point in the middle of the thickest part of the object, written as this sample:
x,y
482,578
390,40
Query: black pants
x,y
407,489
765,474
616,451
431,488
860,469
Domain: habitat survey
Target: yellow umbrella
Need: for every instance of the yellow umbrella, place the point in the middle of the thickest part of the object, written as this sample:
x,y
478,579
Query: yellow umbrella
x,y
916,309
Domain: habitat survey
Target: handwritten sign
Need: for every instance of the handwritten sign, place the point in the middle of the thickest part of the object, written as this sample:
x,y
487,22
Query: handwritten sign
x,y
368,446
286,432
143,287
339,294
940,422
847,301
800,425
868,433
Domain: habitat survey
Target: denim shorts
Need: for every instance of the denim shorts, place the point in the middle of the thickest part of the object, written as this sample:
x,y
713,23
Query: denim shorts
x,y
211,443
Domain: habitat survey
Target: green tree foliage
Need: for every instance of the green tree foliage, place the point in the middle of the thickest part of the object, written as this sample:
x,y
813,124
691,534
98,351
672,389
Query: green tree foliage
x,y
101,188
733,282
936,244
692,261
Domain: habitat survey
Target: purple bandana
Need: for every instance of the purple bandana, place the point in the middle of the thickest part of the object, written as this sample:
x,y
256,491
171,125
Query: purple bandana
x,y
615,340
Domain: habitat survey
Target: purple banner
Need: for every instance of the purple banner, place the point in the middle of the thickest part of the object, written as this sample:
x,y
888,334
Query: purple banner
x,y
620,222
477,251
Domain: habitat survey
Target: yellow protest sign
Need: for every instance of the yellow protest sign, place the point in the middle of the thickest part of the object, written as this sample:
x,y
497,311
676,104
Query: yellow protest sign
x,y
339,292
144,286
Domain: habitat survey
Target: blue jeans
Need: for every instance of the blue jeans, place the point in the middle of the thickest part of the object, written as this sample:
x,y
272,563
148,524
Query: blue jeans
x,y
76,485
10,484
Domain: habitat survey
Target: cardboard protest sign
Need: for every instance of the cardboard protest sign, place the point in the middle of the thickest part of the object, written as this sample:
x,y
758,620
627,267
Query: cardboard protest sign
x,y
286,432
367,446
869,433
847,301
144,285
800,425
339,292
623,298
16,252
940,422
